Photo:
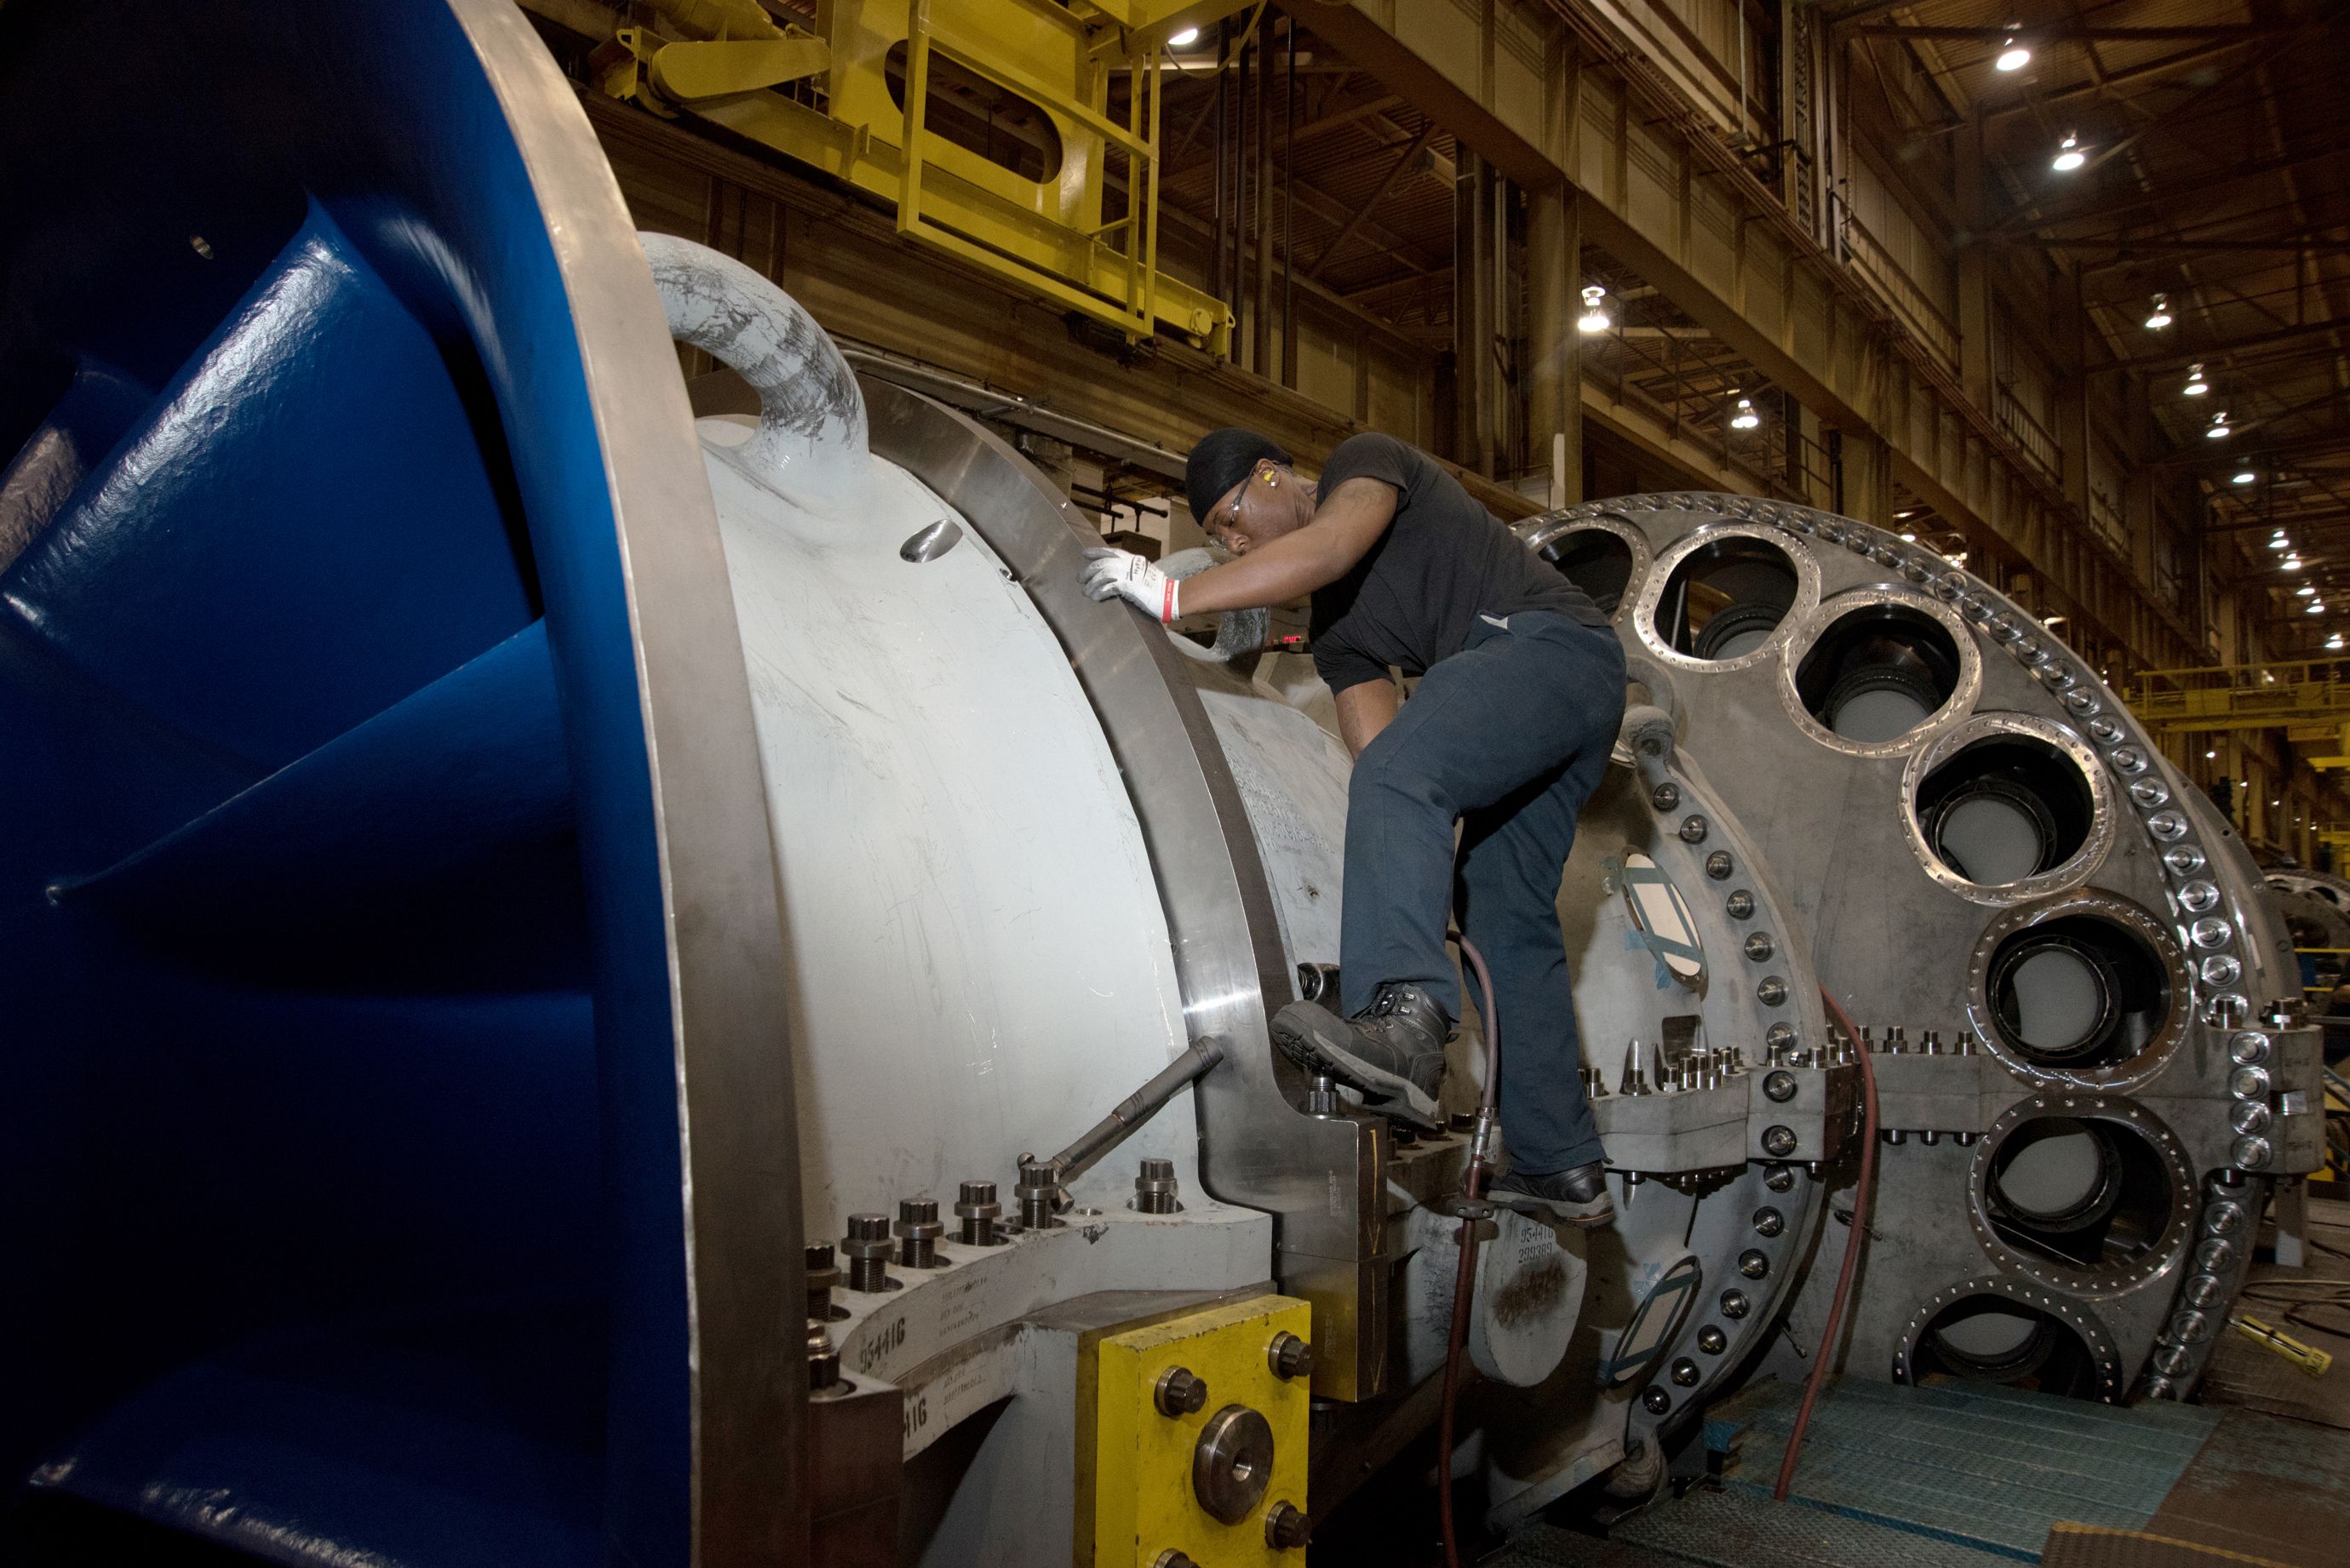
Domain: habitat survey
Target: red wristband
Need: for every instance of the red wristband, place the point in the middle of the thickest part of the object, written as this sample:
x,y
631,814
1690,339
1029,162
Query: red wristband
x,y
1166,604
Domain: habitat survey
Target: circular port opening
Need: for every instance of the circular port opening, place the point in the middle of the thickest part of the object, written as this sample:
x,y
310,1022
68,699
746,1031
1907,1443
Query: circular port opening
x,y
1725,597
1877,674
2078,992
2082,1193
1992,1339
2005,808
1598,561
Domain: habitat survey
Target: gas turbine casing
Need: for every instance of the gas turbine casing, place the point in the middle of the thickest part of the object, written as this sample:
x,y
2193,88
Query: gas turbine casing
x,y
2147,880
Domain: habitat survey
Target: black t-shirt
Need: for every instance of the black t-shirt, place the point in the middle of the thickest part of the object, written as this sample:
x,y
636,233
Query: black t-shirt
x,y
1444,561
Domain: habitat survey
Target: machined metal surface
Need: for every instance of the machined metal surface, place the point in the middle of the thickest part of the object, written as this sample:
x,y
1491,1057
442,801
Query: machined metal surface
x,y
2017,872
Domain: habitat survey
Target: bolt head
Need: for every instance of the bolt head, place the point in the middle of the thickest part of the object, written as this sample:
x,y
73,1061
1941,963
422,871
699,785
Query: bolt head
x,y
1741,905
1180,1392
1780,1179
1769,1222
1779,1085
1779,1142
1735,1304
1289,1356
1685,1372
1718,864
1693,830
1655,1401
1711,1340
1753,1264
1666,796
1286,1528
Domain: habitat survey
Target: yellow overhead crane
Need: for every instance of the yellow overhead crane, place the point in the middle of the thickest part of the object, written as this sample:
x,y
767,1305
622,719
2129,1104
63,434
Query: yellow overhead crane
x,y
2309,698
722,61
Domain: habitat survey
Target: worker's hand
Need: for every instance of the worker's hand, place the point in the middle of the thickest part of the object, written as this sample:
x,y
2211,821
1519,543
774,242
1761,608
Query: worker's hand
x,y
1109,570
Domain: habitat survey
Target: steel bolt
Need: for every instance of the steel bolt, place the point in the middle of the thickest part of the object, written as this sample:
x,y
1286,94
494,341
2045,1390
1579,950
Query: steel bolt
x,y
1711,1340
1462,1122
1179,1392
1718,864
823,1276
1780,1179
1741,905
1170,1558
1289,1356
1154,1187
1759,946
1287,1527
1778,1142
976,1207
1666,796
1322,1097
869,1249
1779,1085
1769,1222
1753,1264
1693,830
1772,993
2224,1217
1655,1399
1735,1304
1038,1191
1685,1372
824,1358
919,1230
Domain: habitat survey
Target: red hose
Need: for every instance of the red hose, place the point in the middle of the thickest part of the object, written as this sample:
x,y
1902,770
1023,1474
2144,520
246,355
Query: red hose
x,y
1862,1192
1473,1187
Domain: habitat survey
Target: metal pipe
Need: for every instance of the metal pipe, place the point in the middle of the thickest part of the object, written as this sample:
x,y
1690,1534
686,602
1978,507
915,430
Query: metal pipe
x,y
1216,229
1289,209
1261,294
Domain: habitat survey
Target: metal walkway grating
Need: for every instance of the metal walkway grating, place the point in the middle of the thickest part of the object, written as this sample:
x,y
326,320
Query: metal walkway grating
x,y
1947,1477
1978,1465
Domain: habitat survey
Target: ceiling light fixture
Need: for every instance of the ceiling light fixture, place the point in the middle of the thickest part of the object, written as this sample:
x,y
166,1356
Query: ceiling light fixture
x,y
2159,316
2278,542
2306,590
2069,155
1745,418
1184,40
2012,56
1909,538
1595,315
2209,755
2217,429
2196,385
2244,476
2333,641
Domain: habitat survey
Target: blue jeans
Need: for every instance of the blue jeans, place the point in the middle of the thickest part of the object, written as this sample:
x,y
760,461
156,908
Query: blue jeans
x,y
1508,737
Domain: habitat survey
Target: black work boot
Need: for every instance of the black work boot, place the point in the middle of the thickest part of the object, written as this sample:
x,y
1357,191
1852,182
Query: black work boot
x,y
1576,1196
1392,1052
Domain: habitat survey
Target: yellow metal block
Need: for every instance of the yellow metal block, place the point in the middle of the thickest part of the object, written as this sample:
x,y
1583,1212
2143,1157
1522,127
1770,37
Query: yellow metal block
x,y
1136,1493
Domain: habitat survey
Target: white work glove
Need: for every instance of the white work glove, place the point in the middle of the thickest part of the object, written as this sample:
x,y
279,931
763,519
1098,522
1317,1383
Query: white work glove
x,y
1110,570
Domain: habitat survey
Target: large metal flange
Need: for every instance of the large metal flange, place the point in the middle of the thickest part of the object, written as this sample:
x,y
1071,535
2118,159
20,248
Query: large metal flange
x,y
2141,1064
1660,576
1956,738
1556,528
2066,1312
2160,1256
1807,631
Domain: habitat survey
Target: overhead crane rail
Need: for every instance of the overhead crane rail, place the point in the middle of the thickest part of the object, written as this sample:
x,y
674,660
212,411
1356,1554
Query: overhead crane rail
x,y
2264,696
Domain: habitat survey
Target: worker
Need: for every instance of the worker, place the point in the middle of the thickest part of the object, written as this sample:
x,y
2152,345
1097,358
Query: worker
x,y
1521,692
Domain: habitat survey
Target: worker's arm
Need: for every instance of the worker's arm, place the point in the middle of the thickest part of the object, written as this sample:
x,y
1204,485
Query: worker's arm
x,y
1342,532
1345,526
1363,712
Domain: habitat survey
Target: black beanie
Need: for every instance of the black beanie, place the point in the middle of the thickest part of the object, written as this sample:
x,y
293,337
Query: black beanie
x,y
1221,460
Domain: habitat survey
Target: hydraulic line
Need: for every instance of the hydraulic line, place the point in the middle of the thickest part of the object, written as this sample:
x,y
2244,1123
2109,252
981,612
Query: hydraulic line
x,y
1472,1210
1862,1191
